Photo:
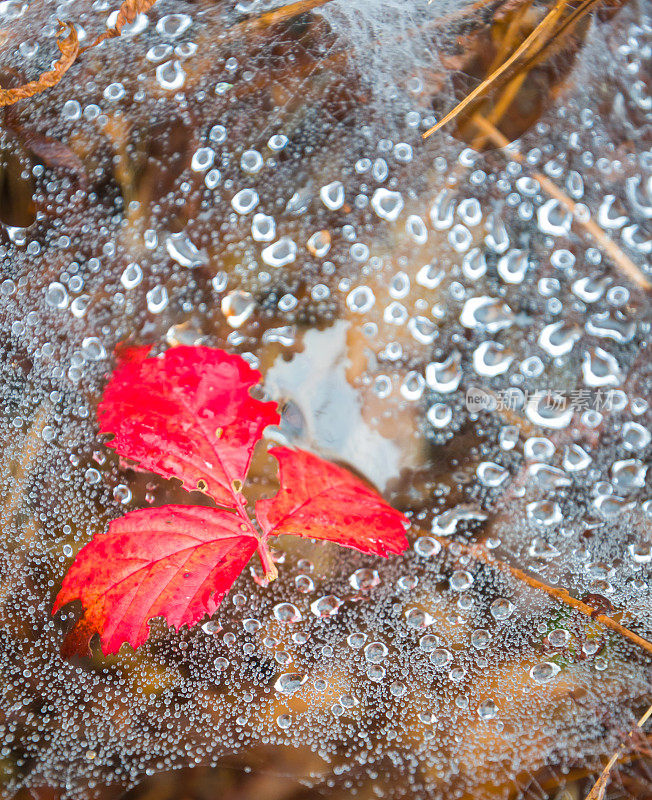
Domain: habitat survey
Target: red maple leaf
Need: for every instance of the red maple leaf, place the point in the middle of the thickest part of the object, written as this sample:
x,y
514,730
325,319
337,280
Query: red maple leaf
x,y
188,414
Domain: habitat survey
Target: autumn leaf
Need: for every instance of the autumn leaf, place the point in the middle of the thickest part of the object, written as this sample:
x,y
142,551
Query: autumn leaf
x,y
323,501
174,561
69,48
188,414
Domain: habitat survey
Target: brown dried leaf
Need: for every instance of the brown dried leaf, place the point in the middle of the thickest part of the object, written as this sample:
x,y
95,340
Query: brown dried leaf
x,y
69,48
128,12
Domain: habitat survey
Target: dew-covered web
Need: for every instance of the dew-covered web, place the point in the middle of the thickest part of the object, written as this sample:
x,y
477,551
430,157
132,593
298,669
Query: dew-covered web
x,y
420,310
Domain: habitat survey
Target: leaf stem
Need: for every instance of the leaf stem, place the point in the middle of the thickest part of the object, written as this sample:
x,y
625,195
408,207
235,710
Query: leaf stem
x,y
271,573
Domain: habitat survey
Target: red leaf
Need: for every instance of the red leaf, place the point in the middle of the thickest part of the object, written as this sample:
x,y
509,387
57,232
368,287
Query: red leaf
x,y
187,414
176,562
320,500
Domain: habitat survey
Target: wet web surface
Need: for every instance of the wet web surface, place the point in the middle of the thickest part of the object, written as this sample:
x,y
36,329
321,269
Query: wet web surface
x,y
428,314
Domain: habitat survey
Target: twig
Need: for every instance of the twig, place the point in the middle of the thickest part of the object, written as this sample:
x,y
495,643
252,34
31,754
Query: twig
x,y
479,553
600,787
620,259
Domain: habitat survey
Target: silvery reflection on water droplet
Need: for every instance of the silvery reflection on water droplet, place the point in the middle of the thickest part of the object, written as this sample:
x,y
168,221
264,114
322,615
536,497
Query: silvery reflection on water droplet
x,y
416,229
426,546
399,286
287,612
284,721
379,170
332,195
170,75
277,142
641,553
263,228
486,313
540,548
575,458
539,448
445,376
251,161
487,709
237,306
628,475
563,259
543,672
430,276
461,580
439,415
608,217
356,640
445,524
304,584
600,368
360,299
549,410
544,513
56,295
441,657
554,219
558,638
491,358
470,211
497,238
422,329
92,476
172,26
513,266
122,494
93,349
131,276
202,159
183,251
480,639
289,682
548,477
364,579
429,642
590,289
508,436
558,338
418,618
280,253
501,609
114,92
635,436
460,238
491,474
245,201
387,205
395,313
474,264
375,652
442,211
319,243
611,325
326,606
157,299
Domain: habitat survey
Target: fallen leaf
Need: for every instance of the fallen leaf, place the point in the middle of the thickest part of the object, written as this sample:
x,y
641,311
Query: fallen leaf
x,y
69,48
187,414
174,561
321,500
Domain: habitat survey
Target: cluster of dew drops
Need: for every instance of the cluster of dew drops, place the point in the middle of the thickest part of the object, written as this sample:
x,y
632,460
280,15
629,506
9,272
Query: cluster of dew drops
x,y
461,272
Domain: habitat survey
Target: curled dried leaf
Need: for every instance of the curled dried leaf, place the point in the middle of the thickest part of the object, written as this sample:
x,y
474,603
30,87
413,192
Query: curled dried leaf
x,y
127,13
69,48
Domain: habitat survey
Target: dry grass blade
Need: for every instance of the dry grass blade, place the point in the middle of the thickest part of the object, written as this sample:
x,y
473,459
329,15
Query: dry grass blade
x,y
479,553
127,13
607,245
285,13
533,44
600,787
69,48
